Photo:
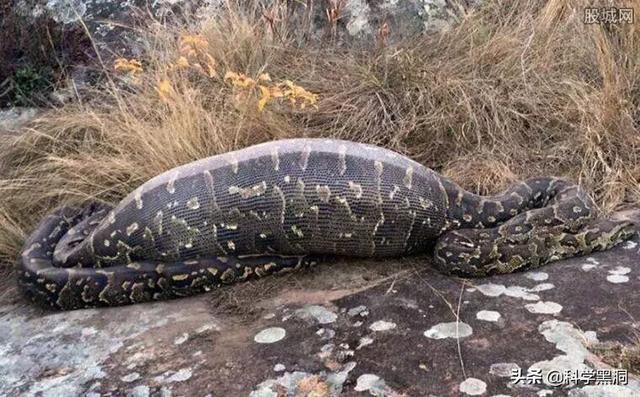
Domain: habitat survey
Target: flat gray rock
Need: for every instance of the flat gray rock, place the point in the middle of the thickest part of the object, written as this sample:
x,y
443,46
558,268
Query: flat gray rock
x,y
358,19
411,331
13,118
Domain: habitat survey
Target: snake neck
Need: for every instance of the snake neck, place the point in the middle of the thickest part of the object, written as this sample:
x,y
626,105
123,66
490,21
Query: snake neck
x,y
469,210
75,247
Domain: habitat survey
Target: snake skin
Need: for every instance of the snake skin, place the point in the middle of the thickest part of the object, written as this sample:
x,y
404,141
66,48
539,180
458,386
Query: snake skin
x,y
287,204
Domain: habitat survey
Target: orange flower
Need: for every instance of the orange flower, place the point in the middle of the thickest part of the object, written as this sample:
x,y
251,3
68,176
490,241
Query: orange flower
x,y
239,80
125,65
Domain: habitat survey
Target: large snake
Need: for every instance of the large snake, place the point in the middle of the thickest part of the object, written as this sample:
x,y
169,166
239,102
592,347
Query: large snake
x,y
280,205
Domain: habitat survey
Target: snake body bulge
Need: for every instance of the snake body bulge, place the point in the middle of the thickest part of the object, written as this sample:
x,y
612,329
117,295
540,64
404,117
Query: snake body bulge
x,y
291,197
272,207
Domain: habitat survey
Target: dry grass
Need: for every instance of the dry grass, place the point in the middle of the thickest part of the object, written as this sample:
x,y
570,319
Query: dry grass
x,y
620,355
518,88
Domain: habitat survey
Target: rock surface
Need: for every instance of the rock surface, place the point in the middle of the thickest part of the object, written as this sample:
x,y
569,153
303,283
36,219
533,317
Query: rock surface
x,y
355,18
12,119
412,332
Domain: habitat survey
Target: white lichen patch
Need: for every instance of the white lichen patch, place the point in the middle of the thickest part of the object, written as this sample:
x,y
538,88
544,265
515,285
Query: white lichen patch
x,y
617,278
382,325
629,245
89,331
488,315
567,339
326,350
591,336
270,335
359,21
292,382
542,287
618,275
319,313
358,311
179,376
620,270
503,370
364,341
571,342
279,367
130,377
207,327
140,391
67,11
543,307
588,267
326,333
538,276
66,342
449,330
371,383
473,387
514,291
181,339
491,289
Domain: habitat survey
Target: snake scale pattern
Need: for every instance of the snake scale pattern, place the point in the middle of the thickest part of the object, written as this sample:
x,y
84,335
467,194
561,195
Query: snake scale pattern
x,y
286,204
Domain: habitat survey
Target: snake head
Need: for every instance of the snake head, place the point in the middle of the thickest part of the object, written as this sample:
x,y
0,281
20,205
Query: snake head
x,y
464,252
606,233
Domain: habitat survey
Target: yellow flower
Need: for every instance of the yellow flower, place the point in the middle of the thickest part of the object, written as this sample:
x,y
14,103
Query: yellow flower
x,y
182,63
239,80
264,77
164,90
268,91
230,76
191,45
276,92
211,65
264,98
295,92
197,41
125,65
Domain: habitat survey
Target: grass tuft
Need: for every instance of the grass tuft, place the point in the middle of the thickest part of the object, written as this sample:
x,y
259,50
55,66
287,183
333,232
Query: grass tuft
x,y
619,355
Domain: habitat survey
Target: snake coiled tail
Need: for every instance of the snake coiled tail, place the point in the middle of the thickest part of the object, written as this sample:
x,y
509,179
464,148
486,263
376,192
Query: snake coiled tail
x,y
136,282
287,204
540,220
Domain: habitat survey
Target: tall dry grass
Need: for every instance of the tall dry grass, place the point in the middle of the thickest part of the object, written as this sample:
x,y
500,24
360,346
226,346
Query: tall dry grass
x,y
516,89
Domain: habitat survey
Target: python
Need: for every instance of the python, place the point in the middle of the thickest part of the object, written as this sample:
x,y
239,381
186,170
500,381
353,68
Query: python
x,y
287,204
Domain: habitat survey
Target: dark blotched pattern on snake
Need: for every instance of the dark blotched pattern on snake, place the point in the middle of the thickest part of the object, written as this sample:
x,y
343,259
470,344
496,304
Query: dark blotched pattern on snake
x,y
280,206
